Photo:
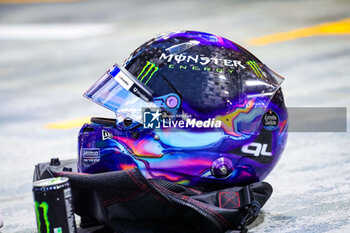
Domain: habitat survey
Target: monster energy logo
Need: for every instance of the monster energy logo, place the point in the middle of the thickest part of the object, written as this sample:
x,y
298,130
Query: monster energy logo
x,y
45,208
148,70
255,68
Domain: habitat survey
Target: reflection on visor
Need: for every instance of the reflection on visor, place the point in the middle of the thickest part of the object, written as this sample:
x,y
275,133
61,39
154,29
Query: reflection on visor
x,y
127,80
119,92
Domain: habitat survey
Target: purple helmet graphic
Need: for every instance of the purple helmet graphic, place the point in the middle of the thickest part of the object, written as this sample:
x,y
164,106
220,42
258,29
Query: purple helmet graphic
x,y
191,108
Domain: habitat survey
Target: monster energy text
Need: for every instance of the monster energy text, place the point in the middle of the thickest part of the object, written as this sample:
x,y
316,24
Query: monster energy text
x,y
186,67
201,60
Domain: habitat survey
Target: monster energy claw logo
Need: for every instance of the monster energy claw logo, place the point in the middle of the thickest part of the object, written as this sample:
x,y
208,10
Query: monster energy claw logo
x,y
148,70
45,208
255,68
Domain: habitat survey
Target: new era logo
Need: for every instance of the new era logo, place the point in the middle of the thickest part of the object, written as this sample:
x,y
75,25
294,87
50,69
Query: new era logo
x,y
106,135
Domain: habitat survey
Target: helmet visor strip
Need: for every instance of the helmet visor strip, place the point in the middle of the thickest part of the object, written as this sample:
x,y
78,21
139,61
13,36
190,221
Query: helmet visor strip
x,y
121,92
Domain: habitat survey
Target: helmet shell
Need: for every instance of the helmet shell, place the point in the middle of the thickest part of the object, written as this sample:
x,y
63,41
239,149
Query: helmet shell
x,y
206,71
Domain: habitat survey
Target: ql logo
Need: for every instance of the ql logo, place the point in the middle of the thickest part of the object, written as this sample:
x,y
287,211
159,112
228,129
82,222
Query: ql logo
x,y
151,118
256,149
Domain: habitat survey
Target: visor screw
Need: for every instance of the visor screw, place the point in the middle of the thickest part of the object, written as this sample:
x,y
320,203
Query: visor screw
x,y
221,167
156,137
135,135
171,101
223,170
127,122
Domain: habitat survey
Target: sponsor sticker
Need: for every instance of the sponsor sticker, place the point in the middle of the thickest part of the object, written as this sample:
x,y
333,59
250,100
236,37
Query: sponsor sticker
x,y
90,155
106,135
270,120
124,80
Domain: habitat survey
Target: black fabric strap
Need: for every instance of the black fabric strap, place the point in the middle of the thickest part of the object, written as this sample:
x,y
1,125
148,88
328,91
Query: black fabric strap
x,y
127,202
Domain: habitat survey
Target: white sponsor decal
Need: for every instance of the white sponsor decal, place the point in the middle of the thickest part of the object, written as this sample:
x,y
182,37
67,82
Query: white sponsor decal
x,y
106,135
124,80
256,149
202,60
91,155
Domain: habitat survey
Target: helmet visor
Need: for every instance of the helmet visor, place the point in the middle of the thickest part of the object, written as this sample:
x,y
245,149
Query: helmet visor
x,y
120,92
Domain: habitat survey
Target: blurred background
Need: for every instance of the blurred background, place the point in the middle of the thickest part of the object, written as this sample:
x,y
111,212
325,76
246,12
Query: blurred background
x,y
51,52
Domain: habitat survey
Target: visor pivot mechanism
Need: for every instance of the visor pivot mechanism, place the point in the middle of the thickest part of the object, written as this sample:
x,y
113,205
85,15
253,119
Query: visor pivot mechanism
x,y
171,101
223,170
221,167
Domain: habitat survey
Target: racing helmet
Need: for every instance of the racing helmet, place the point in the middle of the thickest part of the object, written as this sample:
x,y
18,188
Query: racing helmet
x,y
192,108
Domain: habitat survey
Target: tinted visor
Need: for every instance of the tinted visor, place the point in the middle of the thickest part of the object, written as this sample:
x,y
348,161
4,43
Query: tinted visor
x,y
120,92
